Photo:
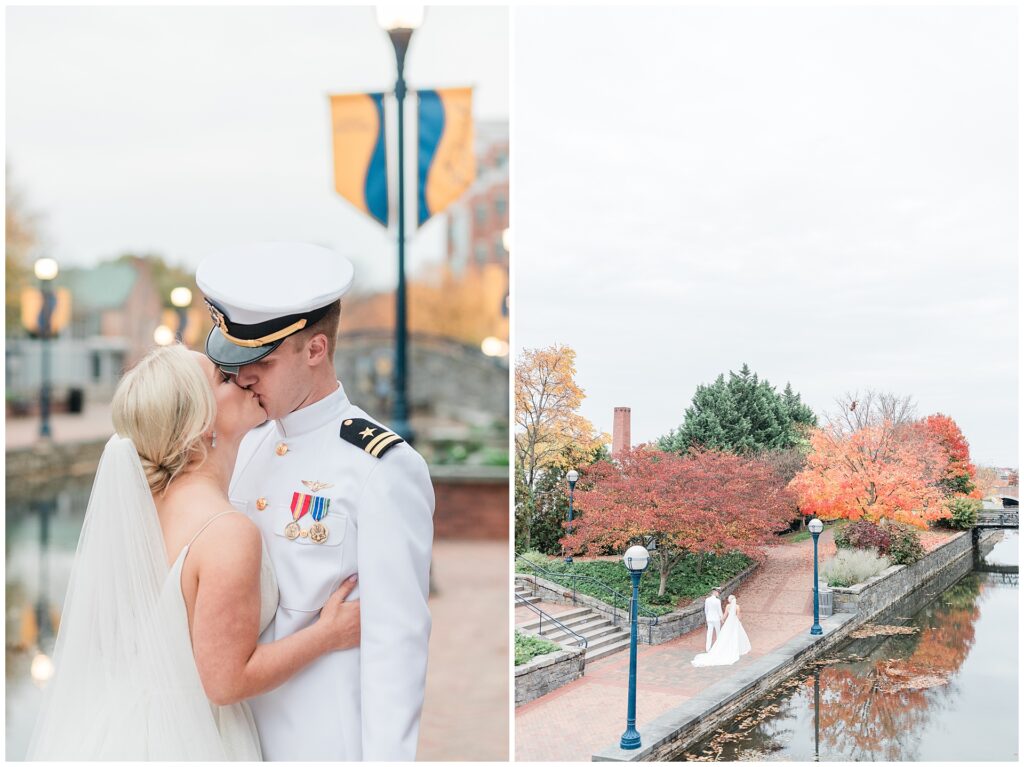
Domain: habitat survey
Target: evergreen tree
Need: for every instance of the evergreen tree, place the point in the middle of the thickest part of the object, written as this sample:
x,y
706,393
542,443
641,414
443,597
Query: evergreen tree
x,y
743,414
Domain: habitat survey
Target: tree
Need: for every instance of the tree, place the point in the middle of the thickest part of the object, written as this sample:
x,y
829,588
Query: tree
x,y
701,503
550,434
985,480
742,415
960,472
21,235
872,461
548,505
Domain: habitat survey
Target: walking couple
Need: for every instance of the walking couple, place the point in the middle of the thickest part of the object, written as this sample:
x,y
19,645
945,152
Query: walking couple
x,y
726,639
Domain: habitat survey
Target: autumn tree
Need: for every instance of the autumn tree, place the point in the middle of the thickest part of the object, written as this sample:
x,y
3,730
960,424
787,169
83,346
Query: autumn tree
x,y
960,472
871,461
744,414
705,502
985,480
549,430
21,235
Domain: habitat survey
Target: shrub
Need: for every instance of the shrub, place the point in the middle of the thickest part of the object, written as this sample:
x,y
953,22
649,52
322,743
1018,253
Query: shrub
x,y
864,535
905,547
963,513
529,647
537,558
850,566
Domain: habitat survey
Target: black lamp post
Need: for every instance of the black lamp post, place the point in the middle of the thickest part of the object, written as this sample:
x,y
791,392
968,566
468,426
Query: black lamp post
x,y
400,24
636,559
46,272
182,299
573,476
815,526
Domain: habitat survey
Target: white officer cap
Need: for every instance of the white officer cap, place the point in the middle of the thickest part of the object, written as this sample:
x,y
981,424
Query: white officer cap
x,y
260,294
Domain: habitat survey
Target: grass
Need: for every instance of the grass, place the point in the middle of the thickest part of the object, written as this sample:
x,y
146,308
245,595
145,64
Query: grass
x,y
684,585
529,647
803,535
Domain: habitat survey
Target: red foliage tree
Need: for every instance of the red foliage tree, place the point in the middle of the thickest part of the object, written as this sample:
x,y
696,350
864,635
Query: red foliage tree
x,y
703,502
960,472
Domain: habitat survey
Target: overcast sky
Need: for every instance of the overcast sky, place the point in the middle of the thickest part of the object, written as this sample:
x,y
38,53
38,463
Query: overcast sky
x,y
180,130
826,194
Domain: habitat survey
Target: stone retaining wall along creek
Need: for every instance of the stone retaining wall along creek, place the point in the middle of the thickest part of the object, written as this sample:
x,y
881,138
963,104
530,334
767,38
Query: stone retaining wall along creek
x,y
871,597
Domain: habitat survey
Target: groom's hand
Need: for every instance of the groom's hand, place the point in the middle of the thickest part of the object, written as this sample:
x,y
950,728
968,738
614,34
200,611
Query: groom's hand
x,y
339,619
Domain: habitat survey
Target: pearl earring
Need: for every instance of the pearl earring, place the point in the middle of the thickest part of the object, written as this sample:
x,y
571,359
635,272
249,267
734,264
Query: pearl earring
x,y
213,440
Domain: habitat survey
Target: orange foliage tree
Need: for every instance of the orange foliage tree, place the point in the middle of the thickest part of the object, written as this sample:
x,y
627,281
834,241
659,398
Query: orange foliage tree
x,y
699,503
876,463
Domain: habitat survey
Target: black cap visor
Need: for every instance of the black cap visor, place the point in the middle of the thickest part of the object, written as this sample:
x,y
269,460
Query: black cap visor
x,y
229,356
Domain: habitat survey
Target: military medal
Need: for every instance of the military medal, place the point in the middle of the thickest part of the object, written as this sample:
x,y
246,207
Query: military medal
x,y
318,531
300,505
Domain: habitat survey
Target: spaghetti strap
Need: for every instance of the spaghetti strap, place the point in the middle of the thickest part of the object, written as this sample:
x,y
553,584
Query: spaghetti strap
x,y
212,519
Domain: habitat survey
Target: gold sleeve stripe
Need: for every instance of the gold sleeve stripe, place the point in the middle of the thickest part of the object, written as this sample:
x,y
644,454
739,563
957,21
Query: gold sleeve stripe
x,y
377,450
376,441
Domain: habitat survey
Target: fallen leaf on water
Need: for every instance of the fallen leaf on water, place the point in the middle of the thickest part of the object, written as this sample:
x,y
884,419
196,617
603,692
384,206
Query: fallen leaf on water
x,y
874,630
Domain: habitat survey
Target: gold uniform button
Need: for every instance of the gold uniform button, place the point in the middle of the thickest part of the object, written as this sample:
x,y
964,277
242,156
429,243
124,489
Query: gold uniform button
x,y
348,422
282,448
261,503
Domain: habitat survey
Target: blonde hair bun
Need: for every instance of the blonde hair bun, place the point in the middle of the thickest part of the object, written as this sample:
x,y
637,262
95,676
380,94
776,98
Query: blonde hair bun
x,y
165,405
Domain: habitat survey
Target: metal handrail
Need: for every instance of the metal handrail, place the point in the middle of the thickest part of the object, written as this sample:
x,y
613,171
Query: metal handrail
x,y
580,639
642,611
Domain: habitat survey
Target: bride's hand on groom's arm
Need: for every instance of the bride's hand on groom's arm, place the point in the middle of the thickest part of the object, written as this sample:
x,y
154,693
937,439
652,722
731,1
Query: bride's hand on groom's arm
x,y
339,619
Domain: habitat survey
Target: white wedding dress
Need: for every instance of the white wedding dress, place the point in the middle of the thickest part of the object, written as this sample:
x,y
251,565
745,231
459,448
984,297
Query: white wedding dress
x,y
731,644
126,686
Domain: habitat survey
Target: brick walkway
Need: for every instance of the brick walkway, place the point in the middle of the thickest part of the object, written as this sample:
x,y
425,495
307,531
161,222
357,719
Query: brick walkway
x,y
465,710
585,716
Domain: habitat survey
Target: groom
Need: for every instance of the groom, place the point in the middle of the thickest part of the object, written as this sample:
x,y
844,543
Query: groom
x,y
713,616
334,493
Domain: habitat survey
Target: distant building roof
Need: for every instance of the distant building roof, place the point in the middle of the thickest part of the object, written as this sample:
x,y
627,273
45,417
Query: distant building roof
x,y
106,286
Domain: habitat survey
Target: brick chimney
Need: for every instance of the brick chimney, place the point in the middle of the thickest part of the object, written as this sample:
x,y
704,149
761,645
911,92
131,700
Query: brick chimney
x,y
620,431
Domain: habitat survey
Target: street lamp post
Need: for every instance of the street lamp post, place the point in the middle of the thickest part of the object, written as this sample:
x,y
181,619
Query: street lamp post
x,y
573,476
815,526
46,270
636,559
181,297
400,23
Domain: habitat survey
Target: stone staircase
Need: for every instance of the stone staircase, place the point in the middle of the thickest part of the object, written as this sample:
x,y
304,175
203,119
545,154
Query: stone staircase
x,y
603,638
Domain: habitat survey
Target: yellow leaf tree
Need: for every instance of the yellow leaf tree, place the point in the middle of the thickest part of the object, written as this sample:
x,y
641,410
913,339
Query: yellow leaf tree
x,y
549,432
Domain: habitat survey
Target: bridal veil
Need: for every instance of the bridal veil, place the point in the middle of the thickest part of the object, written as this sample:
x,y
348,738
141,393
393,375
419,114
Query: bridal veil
x,y
124,686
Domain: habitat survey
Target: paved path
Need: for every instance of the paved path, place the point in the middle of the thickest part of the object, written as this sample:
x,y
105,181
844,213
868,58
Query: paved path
x,y
465,711
589,714
67,428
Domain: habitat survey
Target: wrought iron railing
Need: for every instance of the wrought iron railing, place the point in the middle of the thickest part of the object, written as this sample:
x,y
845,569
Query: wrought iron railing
x,y
621,601
581,640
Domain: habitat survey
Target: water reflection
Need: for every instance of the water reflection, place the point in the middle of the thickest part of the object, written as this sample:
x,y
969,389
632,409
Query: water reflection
x,y
945,690
41,536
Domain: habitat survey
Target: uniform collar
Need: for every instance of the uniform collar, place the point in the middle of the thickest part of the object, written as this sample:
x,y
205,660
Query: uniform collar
x,y
314,416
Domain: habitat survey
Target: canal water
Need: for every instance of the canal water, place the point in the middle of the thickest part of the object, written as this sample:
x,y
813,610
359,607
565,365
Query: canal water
x,y
41,536
934,678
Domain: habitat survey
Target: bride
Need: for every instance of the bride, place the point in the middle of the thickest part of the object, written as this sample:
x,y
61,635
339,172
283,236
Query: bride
x,y
732,640
157,647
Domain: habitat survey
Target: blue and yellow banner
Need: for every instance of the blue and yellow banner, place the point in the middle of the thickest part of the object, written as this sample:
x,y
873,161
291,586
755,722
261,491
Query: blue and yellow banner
x,y
447,163
360,168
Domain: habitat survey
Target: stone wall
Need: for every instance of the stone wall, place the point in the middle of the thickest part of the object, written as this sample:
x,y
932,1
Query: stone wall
x,y
548,672
686,619
870,598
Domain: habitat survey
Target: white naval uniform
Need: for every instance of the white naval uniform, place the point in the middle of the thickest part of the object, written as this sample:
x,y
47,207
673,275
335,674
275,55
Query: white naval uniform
x,y
363,703
713,616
